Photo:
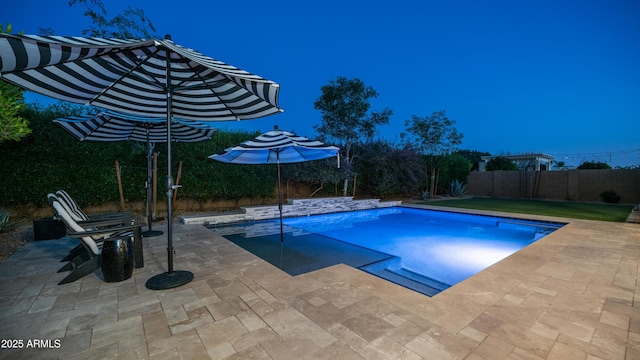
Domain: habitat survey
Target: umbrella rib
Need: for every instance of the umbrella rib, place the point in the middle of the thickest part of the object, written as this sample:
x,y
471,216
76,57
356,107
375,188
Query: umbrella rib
x,y
129,72
207,83
199,77
203,80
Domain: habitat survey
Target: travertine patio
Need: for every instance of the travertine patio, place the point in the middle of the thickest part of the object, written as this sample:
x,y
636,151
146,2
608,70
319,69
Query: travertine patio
x,y
570,295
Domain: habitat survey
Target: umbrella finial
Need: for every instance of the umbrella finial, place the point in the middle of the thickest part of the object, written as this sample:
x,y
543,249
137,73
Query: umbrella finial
x,y
275,127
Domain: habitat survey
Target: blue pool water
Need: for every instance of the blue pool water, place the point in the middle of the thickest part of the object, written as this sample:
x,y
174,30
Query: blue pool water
x,y
425,250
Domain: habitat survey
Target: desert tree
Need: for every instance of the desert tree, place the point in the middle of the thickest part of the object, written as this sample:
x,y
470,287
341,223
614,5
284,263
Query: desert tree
x,y
436,136
347,118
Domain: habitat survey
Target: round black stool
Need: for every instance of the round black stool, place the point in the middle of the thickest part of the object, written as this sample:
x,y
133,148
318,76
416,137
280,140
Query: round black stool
x,y
117,259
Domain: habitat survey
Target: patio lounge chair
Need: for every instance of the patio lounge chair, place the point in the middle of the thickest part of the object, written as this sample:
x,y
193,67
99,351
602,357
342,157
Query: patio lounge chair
x,y
91,239
76,212
72,208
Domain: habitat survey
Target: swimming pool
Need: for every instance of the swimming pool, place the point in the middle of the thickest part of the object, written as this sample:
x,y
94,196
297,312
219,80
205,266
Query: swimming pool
x,y
425,250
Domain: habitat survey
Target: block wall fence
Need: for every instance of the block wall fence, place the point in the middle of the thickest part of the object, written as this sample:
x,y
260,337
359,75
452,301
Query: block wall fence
x,y
578,185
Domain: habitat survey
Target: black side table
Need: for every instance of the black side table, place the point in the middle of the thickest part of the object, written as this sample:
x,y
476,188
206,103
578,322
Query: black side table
x,y
117,259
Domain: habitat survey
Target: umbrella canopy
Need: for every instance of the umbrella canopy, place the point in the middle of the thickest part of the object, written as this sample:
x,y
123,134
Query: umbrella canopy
x,y
112,126
152,78
275,147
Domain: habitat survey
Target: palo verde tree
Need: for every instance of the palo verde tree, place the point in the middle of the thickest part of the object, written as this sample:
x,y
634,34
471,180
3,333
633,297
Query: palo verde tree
x,y
436,136
347,119
13,127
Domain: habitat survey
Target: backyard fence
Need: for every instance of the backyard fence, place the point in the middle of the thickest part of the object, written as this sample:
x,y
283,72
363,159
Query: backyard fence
x,y
578,185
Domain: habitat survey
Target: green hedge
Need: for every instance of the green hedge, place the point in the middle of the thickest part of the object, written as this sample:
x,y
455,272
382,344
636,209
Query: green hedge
x,y
50,159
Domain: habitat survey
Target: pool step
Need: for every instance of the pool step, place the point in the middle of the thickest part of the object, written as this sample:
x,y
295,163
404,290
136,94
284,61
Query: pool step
x,y
537,227
391,270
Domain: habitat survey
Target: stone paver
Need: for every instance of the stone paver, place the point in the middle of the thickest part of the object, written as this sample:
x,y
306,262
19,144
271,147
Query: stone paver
x,y
570,295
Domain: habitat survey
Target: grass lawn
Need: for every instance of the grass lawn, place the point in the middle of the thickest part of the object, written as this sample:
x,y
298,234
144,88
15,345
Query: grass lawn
x,y
568,209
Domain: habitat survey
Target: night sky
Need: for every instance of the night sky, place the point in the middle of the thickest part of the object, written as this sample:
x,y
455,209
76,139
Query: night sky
x,y
554,77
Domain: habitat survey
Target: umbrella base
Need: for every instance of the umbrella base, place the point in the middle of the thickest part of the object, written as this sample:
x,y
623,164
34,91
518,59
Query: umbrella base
x,y
152,233
169,281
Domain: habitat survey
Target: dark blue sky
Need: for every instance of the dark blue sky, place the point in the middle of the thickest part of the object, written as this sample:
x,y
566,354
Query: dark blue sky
x,y
551,76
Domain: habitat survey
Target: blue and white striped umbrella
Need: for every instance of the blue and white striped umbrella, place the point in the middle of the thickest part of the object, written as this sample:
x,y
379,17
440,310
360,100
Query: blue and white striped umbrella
x,y
151,78
275,147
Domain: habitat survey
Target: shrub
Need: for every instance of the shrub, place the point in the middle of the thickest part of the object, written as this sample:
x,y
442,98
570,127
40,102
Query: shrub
x,y
454,167
474,157
610,196
51,159
592,165
501,163
385,169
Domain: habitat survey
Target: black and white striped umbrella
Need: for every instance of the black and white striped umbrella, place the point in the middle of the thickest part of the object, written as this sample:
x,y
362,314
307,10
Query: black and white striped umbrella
x,y
142,77
151,78
112,126
276,147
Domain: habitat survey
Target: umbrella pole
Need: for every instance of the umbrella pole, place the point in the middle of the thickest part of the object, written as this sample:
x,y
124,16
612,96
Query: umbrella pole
x,y
279,196
169,184
150,232
170,279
